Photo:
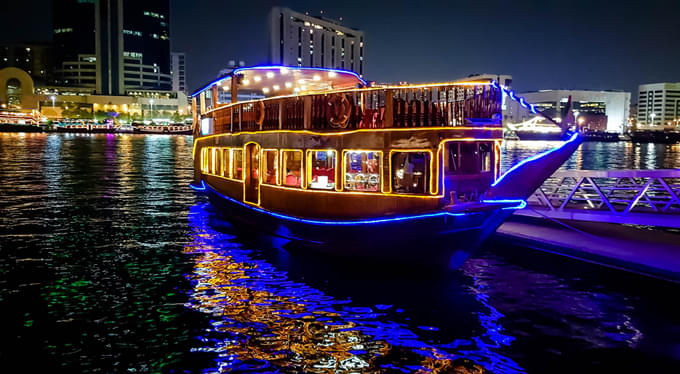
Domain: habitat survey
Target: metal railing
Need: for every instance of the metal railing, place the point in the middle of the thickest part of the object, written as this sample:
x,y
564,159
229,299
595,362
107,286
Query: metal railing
x,y
643,197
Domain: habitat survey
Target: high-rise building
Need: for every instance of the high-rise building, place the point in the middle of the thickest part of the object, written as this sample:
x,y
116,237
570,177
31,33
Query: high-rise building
x,y
298,39
659,105
179,80
30,57
113,46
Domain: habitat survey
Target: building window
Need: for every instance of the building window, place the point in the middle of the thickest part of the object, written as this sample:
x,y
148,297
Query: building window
x,y
291,162
362,170
410,172
270,165
321,169
237,164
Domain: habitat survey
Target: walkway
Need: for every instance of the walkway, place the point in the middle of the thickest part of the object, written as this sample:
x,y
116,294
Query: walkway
x,y
647,251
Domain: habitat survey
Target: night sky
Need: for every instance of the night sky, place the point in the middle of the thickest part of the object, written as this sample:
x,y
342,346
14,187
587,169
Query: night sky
x,y
543,44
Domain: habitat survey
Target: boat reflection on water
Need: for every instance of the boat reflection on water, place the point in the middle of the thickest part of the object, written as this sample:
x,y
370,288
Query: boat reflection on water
x,y
261,320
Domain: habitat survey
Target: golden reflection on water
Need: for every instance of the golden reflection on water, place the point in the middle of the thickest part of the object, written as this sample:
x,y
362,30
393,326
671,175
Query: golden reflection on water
x,y
270,320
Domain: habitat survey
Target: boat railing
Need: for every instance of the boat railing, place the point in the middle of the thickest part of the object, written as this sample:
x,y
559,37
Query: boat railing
x,y
420,106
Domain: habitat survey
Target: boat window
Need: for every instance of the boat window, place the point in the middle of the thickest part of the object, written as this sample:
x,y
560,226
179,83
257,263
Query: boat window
x,y
291,162
215,166
237,164
226,163
411,172
322,169
485,156
362,170
465,158
204,160
270,160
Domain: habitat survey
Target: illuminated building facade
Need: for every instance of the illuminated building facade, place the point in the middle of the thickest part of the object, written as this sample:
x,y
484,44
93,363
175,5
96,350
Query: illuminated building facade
x,y
594,110
659,105
113,46
298,39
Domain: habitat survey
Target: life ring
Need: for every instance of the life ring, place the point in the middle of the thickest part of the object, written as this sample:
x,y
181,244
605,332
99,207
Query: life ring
x,y
259,112
341,109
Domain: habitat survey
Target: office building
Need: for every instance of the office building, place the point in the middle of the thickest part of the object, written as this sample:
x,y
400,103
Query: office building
x,y
298,39
30,57
178,68
658,105
113,46
594,110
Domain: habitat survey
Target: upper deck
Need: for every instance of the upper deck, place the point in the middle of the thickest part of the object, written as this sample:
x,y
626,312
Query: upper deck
x,y
328,100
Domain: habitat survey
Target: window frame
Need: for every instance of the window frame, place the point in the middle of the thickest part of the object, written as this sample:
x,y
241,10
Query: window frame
x,y
432,180
381,182
228,167
308,175
234,164
302,167
277,163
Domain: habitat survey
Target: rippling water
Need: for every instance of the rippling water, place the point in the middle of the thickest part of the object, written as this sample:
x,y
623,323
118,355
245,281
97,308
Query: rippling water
x,y
108,263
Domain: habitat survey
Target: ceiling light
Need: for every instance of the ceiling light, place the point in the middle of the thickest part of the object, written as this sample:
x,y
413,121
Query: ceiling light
x,y
276,87
317,78
270,74
289,84
257,78
265,90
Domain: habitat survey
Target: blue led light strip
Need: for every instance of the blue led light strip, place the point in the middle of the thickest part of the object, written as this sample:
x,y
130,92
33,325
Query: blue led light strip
x,y
521,204
198,188
520,100
534,157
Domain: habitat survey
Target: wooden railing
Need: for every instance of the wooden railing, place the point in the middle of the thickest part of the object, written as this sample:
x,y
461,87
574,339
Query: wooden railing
x,y
426,106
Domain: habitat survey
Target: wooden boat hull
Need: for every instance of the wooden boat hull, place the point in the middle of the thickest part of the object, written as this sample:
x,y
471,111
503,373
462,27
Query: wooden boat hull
x,y
439,238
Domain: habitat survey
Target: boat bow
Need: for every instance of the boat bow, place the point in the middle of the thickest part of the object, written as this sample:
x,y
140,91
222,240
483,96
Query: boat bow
x,y
524,178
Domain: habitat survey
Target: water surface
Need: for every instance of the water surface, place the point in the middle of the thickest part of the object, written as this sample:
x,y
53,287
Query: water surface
x,y
108,263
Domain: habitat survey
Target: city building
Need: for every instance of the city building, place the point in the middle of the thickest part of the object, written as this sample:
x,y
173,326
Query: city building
x,y
179,79
32,58
298,39
593,110
658,105
19,92
112,46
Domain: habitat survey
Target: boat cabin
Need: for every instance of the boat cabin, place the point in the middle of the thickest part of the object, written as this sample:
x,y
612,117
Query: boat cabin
x,y
317,142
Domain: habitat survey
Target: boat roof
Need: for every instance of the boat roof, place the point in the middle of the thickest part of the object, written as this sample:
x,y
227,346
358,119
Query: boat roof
x,y
287,80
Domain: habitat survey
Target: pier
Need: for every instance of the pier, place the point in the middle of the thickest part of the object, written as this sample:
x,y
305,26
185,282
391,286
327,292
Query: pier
x,y
624,218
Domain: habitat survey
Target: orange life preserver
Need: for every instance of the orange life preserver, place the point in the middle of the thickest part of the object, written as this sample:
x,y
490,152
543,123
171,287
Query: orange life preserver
x,y
341,109
259,112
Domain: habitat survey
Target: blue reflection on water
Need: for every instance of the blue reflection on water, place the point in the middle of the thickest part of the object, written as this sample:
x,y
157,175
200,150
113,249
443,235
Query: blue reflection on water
x,y
263,321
